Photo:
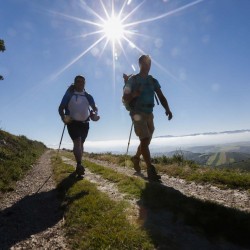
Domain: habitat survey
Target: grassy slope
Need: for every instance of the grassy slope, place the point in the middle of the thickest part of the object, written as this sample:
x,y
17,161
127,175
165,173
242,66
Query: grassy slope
x,y
17,154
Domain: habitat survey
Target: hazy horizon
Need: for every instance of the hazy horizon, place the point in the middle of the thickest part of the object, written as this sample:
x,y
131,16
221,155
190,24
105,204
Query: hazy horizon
x,y
162,144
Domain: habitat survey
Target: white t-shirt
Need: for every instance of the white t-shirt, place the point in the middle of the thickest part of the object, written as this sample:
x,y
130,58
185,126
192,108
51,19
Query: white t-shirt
x,y
79,106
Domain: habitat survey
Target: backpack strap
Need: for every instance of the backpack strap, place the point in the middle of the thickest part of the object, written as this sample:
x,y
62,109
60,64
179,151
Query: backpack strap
x,y
130,106
70,92
90,99
153,80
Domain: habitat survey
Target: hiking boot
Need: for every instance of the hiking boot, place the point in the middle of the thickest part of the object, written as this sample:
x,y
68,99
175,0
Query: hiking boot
x,y
136,163
79,169
152,174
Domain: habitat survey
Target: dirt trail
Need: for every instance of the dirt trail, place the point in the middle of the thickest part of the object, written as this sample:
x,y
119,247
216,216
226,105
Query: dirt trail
x,y
228,197
178,234
30,216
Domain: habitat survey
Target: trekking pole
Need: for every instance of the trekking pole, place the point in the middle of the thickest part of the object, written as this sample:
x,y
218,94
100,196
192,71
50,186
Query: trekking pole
x,y
129,137
60,140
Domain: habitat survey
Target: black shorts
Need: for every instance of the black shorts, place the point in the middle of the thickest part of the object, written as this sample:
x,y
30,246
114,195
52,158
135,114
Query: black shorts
x,y
78,129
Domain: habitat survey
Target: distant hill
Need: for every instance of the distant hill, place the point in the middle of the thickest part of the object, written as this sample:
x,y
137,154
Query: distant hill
x,y
232,155
241,147
208,133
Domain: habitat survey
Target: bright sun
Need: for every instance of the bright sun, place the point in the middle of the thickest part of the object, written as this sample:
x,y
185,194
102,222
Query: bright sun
x,y
113,29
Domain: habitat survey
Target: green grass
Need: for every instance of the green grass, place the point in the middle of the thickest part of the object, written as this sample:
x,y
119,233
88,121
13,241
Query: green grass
x,y
177,166
213,220
221,177
109,157
17,154
93,220
132,186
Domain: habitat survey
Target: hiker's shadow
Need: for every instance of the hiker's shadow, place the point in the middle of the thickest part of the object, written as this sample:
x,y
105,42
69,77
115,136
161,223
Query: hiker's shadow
x,y
176,221
32,214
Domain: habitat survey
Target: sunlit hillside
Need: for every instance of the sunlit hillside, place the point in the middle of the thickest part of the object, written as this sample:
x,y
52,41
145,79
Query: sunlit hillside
x,y
17,154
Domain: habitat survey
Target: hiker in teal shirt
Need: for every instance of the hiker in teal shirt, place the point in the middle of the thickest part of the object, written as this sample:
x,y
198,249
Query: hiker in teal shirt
x,y
147,87
138,96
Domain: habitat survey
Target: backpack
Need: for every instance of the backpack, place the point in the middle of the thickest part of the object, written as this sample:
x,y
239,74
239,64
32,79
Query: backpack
x,y
69,93
132,104
71,90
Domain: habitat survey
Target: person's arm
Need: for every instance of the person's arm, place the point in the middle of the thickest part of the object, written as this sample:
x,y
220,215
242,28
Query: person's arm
x,y
94,108
63,105
61,111
164,103
92,103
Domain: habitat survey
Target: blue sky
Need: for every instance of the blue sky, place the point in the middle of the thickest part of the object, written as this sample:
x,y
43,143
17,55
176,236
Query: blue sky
x,y
200,52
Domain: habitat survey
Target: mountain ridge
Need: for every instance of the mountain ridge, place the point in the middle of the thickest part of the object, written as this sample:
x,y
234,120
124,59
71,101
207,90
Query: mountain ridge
x,y
206,133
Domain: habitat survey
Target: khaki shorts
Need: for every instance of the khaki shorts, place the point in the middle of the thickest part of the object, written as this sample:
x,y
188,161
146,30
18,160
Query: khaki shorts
x,y
143,125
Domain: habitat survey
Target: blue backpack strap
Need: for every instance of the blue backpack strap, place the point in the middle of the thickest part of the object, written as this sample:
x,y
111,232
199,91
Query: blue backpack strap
x,y
90,99
66,98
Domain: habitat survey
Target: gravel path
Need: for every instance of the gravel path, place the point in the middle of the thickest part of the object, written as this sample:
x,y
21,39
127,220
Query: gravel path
x,y
30,216
227,197
178,234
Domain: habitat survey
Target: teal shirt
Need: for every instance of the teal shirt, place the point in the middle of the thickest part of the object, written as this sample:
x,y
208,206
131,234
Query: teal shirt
x,y
145,102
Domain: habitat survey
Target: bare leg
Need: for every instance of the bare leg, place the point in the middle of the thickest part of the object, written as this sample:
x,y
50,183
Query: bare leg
x,y
77,149
144,149
138,152
151,171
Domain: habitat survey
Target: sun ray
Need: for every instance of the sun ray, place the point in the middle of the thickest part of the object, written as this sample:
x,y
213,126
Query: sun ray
x,y
130,32
164,15
90,10
113,52
104,9
135,9
104,47
154,61
84,35
116,30
121,10
124,53
91,33
113,8
79,56
76,18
